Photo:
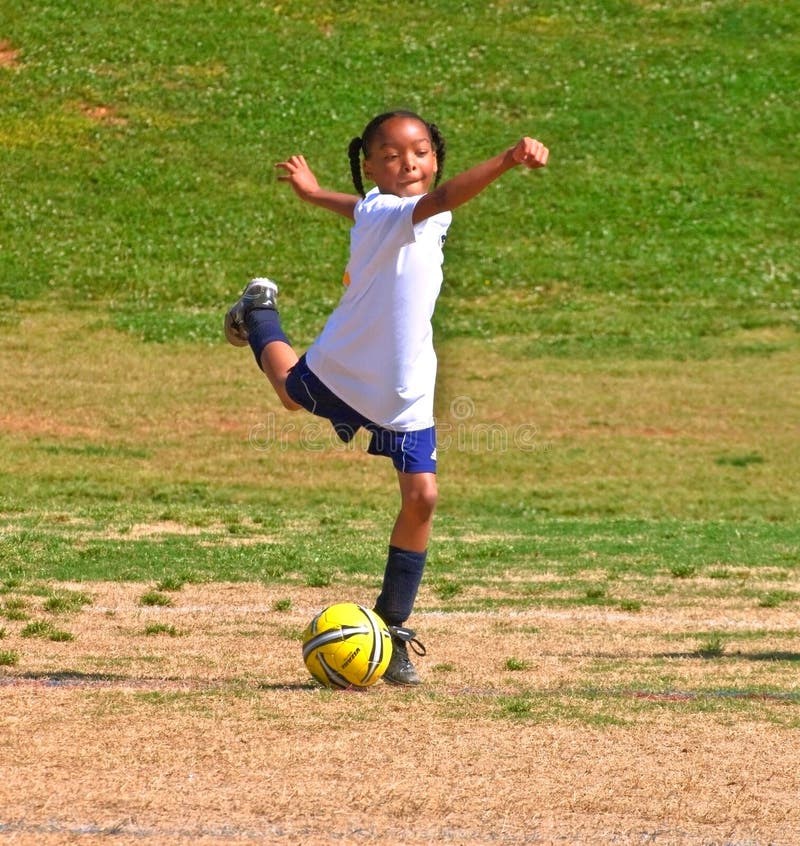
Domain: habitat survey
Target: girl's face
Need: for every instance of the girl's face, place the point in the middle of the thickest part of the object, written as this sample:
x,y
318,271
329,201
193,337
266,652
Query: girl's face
x,y
401,159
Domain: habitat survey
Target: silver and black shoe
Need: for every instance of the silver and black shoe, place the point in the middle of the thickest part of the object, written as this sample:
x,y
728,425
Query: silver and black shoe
x,y
258,293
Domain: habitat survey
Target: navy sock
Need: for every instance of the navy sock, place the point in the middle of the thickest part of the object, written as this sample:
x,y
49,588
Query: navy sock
x,y
401,580
263,327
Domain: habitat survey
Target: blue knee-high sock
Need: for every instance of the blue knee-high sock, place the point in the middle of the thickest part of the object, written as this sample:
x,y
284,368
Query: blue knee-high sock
x,y
401,581
263,327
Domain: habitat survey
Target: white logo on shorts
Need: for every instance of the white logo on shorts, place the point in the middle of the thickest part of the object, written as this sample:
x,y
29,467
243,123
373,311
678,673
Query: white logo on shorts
x,y
433,455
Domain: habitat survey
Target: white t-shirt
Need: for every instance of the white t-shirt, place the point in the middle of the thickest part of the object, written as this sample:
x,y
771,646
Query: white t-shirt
x,y
376,349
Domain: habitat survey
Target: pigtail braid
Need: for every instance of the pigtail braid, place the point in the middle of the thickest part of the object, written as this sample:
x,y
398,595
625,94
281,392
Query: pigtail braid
x,y
441,150
354,152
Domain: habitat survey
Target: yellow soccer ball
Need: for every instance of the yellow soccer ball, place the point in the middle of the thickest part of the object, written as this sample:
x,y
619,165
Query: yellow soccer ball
x,y
347,645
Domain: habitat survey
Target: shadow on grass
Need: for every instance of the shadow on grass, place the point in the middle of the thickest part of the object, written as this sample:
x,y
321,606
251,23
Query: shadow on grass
x,y
69,678
767,656
708,655
704,654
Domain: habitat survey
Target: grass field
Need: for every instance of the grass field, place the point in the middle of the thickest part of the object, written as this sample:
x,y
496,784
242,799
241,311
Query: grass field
x,y
611,605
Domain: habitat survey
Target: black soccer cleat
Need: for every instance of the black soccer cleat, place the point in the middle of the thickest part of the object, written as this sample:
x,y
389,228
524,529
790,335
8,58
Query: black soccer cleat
x,y
258,293
400,670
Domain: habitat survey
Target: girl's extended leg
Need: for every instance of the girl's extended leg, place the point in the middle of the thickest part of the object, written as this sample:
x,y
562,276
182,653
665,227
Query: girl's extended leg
x,y
273,352
276,360
253,319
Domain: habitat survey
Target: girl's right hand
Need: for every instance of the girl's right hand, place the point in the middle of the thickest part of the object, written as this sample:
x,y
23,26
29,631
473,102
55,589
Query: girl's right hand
x,y
299,175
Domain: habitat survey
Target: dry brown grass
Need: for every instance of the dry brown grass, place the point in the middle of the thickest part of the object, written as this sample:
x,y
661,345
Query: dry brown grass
x,y
651,431
615,731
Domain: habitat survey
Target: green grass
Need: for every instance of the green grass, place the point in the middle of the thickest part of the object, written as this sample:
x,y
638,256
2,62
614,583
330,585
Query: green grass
x,y
673,120
161,628
154,598
66,601
582,706
15,608
45,630
566,548
9,657
618,334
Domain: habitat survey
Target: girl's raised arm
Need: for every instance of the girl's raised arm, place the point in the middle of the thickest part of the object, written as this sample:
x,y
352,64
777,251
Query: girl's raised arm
x,y
300,176
462,188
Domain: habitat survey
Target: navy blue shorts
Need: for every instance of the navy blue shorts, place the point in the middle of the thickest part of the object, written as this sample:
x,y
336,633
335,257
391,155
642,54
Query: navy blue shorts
x,y
411,452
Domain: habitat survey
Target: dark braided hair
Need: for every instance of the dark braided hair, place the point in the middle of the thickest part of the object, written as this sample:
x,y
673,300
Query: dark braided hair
x,y
361,144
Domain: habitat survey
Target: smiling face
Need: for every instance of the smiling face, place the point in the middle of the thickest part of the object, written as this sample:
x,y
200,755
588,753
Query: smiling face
x,y
401,159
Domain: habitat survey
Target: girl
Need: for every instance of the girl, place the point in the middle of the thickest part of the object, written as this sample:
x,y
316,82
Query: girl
x,y
373,365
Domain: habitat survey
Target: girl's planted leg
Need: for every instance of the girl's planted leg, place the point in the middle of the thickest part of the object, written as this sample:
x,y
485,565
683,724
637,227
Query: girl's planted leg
x,y
405,567
418,496
407,547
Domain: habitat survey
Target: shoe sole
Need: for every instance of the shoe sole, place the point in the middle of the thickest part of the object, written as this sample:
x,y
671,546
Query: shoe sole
x,y
397,683
233,332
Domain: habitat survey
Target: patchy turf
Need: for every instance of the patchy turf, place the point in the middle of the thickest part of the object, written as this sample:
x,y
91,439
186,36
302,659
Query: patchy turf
x,y
610,606
197,722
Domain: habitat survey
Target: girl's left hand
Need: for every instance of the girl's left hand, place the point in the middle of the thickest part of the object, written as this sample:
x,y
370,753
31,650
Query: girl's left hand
x,y
530,153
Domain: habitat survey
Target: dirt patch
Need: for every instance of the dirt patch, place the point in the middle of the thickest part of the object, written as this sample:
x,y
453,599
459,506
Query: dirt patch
x,y
610,728
104,114
44,424
9,55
